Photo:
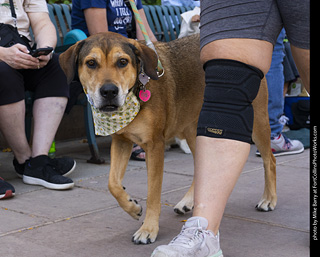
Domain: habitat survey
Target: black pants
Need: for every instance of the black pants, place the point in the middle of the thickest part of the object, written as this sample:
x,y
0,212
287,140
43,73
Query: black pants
x,y
49,81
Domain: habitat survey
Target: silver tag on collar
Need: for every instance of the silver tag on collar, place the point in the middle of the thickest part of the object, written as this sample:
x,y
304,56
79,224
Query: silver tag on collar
x,y
144,79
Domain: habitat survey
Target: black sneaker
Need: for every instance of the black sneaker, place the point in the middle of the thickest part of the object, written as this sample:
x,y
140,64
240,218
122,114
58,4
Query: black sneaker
x,y
42,171
64,165
19,168
6,189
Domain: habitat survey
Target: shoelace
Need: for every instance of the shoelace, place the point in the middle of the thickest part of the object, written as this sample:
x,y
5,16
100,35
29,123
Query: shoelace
x,y
287,144
188,235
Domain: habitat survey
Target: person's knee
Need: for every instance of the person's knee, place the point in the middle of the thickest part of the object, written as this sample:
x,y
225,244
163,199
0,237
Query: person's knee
x,y
227,112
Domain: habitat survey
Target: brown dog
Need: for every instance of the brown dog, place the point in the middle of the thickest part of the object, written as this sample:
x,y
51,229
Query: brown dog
x,y
108,66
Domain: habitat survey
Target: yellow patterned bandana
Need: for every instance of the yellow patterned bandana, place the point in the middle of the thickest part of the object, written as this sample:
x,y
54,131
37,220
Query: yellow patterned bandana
x,y
106,124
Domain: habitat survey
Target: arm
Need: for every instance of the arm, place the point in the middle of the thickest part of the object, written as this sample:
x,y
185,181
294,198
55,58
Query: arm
x,y
44,33
43,30
96,19
146,24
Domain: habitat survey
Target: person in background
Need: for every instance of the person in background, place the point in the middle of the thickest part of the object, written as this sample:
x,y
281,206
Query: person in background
x,y
19,71
280,144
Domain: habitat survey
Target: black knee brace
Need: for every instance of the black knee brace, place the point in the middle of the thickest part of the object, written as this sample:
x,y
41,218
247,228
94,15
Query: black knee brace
x,y
231,86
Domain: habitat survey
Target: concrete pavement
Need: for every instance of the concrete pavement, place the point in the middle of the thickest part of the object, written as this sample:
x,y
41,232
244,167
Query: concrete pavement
x,y
87,221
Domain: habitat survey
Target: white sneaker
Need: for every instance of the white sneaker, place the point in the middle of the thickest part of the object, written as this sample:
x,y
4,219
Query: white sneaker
x,y
193,241
284,146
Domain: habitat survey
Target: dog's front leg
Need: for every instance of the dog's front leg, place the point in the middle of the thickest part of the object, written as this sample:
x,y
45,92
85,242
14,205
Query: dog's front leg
x,y
155,160
120,153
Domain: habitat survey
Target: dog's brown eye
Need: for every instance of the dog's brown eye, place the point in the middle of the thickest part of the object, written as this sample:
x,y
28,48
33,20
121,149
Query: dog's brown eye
x,y
122,62
91,64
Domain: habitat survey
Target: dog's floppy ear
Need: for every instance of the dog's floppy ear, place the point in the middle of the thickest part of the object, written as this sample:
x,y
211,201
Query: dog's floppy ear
x,y
68,60
149,59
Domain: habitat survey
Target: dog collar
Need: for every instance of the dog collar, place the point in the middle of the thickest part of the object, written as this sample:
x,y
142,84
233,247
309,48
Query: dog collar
x,y
106,124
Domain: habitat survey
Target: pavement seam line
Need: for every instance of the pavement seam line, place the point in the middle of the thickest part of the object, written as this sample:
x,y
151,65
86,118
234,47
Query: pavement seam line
x,y
57,221
265,223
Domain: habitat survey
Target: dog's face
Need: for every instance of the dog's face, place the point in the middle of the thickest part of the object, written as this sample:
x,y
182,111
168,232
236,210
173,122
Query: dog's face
x,y
108,65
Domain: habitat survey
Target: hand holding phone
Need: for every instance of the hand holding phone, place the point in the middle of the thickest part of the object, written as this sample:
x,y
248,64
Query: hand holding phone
x,y
41,51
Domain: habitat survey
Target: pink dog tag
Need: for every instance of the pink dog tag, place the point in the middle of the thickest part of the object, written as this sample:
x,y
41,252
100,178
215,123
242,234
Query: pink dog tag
x,y
144,95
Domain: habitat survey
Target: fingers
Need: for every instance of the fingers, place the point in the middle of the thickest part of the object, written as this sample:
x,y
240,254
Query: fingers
x,y
18,57
44,59
22,48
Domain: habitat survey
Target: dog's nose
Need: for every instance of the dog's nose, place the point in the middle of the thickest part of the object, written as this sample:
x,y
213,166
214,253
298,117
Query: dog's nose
x,y
109,91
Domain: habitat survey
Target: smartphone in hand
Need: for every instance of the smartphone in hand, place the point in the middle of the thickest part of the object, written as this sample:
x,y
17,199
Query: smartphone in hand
x,y
41,51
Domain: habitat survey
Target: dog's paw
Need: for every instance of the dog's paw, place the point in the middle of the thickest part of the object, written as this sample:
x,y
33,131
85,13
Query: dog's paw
x,y
183,206
145,235
135,209
266,205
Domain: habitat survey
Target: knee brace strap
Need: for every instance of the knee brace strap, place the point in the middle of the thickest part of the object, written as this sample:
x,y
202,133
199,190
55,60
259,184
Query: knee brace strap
x,y
231,86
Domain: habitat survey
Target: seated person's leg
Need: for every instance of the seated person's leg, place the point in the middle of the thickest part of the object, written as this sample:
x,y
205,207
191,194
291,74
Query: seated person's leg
x,y
51,93
12,95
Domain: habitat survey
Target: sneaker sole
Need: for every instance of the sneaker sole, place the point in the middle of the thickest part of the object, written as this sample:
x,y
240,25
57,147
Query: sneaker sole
x,y
41,182
288,152
7,195
283,153
71,170
218,254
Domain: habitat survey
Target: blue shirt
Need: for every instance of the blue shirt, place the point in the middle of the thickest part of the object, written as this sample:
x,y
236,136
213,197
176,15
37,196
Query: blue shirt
x,y
118,14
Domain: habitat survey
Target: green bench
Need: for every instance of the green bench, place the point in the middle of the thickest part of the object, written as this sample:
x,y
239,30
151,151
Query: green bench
x,y
164,21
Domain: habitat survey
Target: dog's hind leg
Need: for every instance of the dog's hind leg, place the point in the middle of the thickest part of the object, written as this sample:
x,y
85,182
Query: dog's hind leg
x,y
261,137
186,203
120,154
155,161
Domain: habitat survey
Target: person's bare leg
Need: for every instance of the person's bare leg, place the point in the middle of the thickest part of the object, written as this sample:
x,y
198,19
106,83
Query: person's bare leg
x,y
302,60
219,162
47,114
12,125
257,53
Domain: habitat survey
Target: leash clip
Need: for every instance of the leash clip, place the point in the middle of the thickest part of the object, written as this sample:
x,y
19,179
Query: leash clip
x,y
159,76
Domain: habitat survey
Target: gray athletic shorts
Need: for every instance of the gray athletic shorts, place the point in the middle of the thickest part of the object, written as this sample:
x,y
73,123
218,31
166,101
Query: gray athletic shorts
x,y
255,19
